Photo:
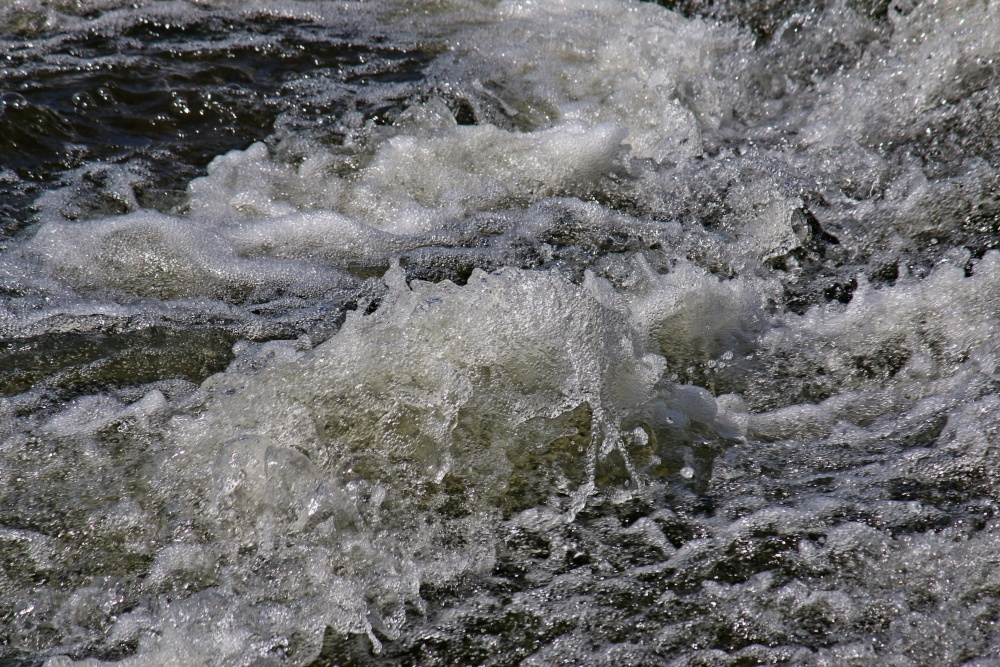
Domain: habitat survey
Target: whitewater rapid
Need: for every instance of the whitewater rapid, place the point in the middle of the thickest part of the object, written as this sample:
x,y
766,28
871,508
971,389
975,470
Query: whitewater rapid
x,y
552,332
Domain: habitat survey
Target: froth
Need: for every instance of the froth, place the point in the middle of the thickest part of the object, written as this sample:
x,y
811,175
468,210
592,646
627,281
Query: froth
x,y
151,254
384,458
556,116
714,368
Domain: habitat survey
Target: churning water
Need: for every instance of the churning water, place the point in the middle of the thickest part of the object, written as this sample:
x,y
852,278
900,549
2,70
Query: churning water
x,y
551,332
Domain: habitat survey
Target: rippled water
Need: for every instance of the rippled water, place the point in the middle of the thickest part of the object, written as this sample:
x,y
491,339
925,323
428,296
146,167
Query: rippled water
x,y
580,332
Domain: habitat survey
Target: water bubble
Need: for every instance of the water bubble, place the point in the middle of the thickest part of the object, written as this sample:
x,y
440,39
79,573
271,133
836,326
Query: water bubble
x,y
83,100
12,101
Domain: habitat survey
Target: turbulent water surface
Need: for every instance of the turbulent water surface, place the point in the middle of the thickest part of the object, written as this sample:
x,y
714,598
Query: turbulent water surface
x,y
539,332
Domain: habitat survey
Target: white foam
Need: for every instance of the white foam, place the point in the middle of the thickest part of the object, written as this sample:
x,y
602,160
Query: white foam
x,y
336,457
312,487
601,92
937,52
152,254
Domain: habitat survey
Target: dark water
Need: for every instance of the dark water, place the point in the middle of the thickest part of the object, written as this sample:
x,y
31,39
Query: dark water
x,y
161,95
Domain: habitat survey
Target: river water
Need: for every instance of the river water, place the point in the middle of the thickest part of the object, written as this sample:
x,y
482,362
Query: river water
x,y
551,332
